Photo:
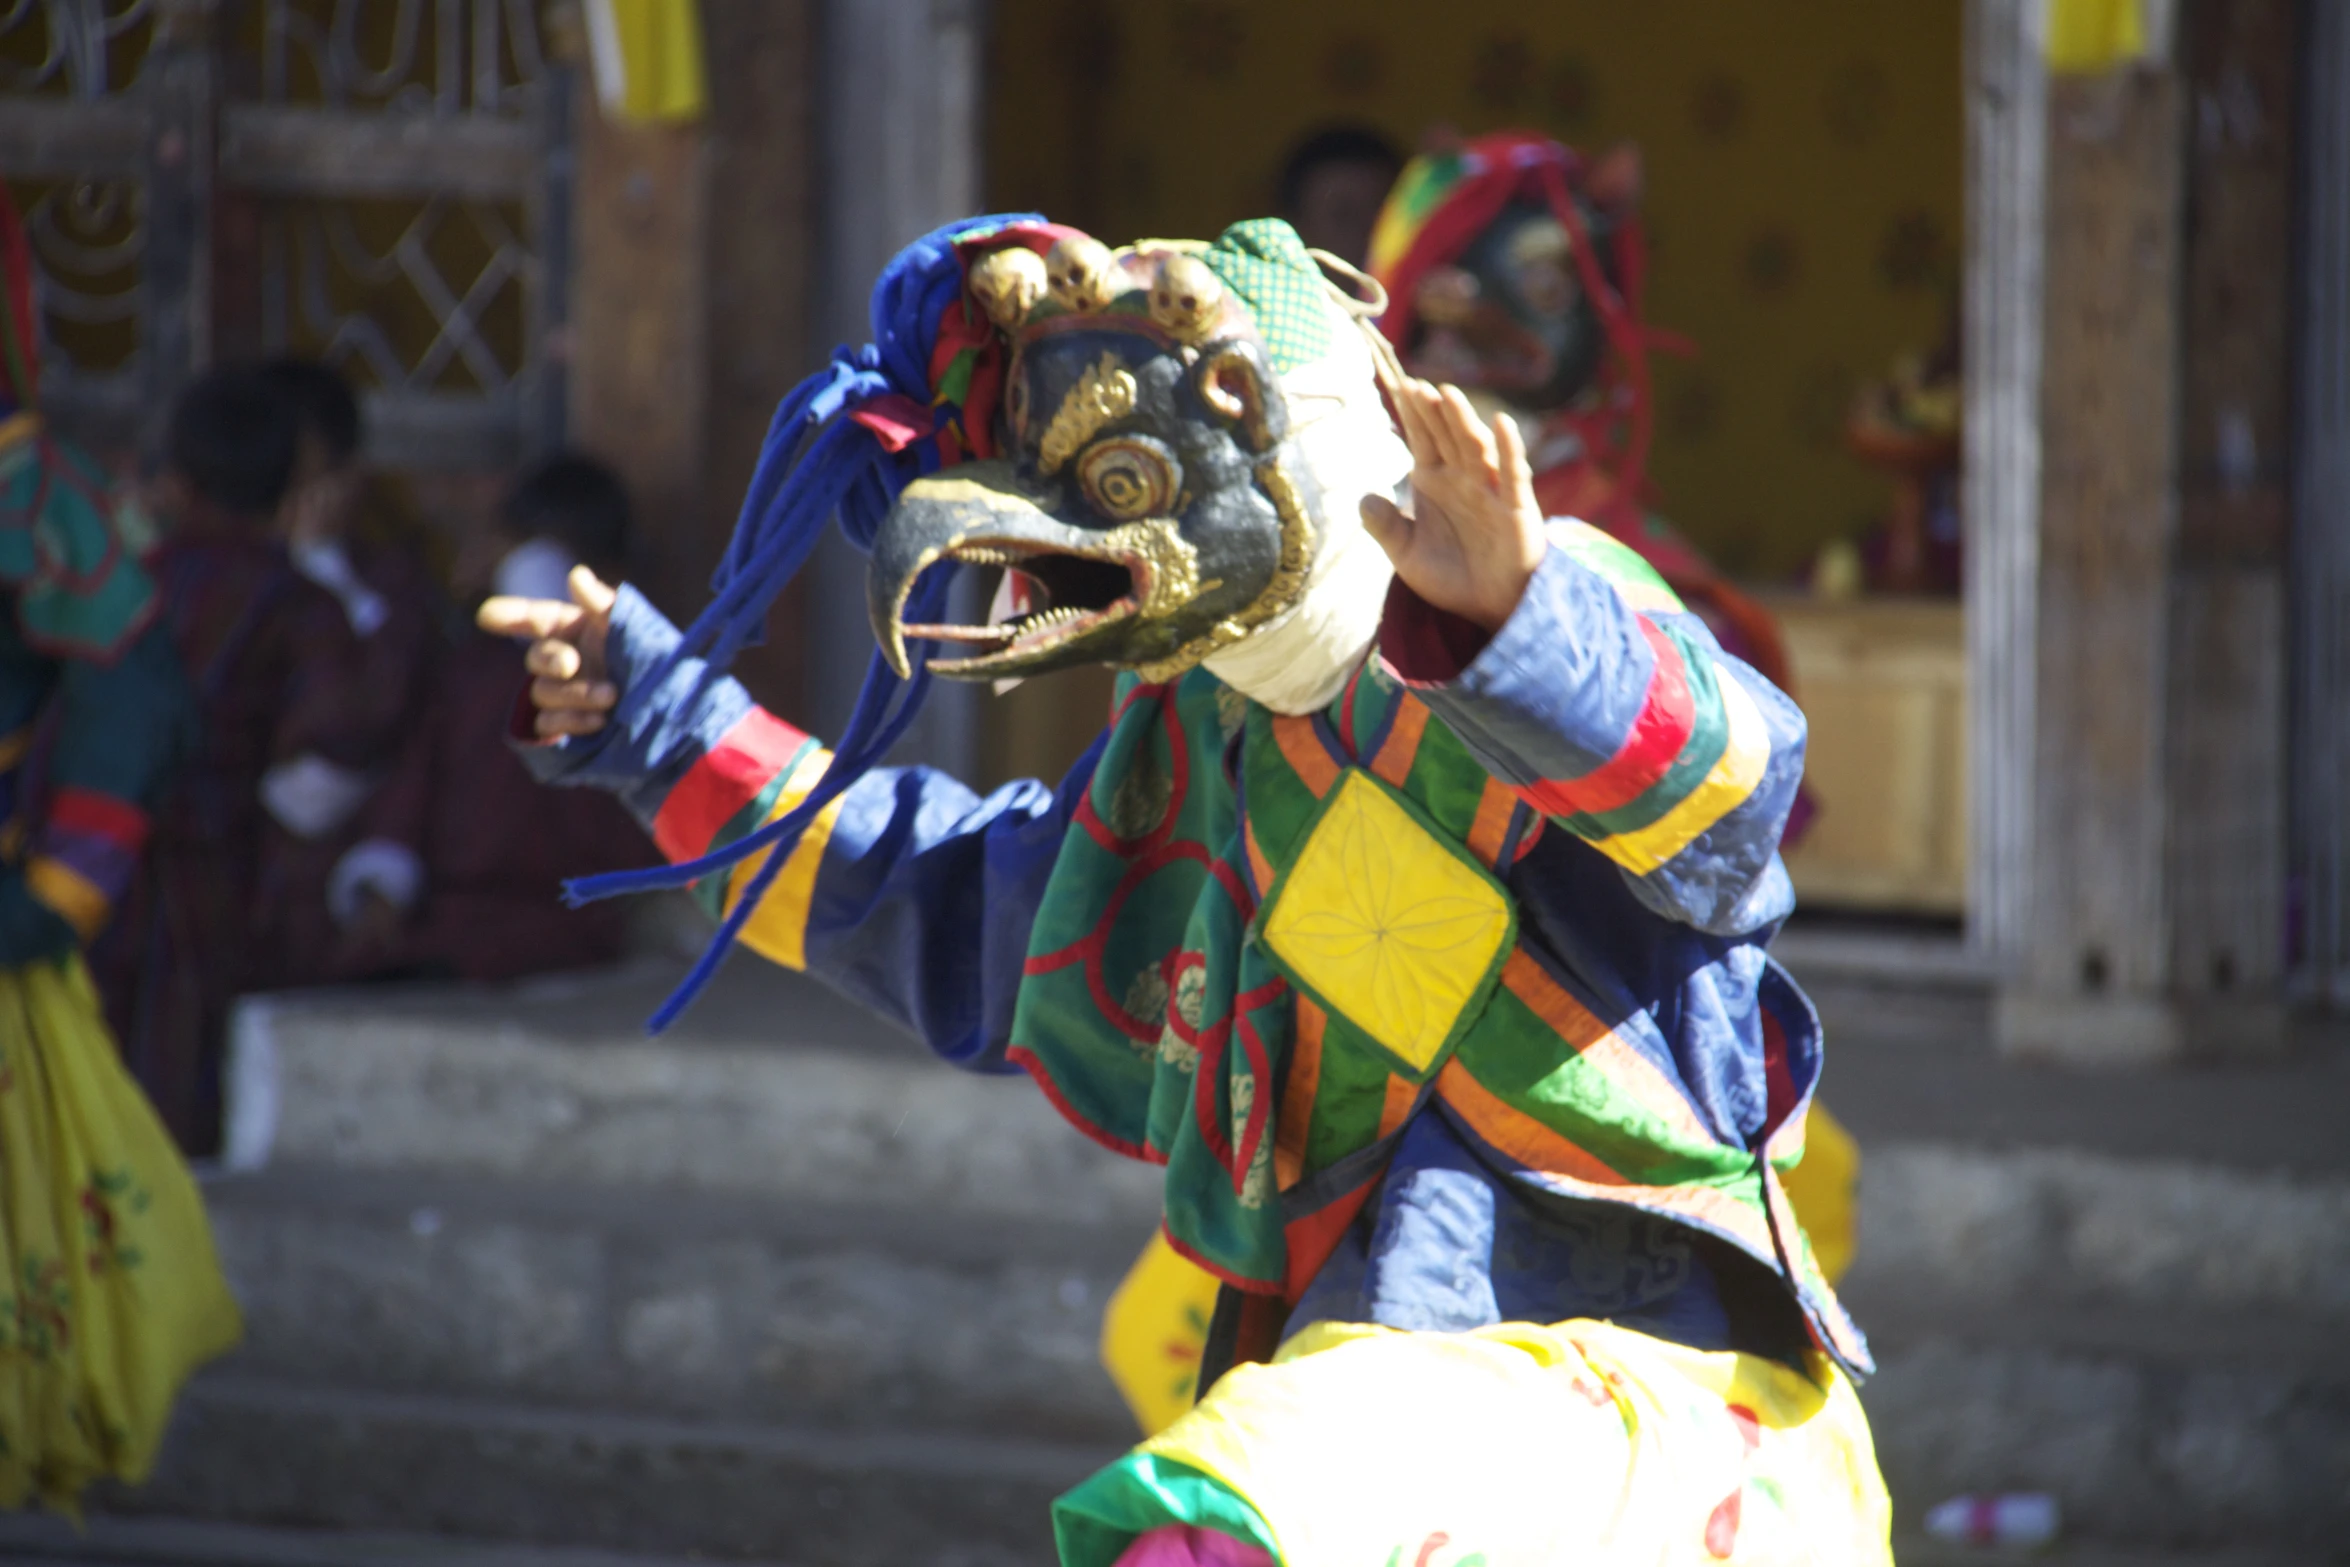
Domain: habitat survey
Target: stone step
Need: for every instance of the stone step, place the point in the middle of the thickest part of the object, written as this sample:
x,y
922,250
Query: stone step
x,y
859,1316
258,1451
45,1540
777,1088
2148,1455
1982,1227
782,1091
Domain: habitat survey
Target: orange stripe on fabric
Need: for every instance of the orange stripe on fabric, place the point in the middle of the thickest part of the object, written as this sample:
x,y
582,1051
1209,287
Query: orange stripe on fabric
x,y
1600,1045
13,747
18,428
1297,1097
1312,1239
1565,1164
1402,745
1258,866
1402,1094
778,928
1307,756
1494,809
72,896
1518,1134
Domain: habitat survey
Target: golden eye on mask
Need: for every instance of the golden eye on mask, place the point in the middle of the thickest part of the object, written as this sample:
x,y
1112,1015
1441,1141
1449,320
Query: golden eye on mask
x,y
1130,477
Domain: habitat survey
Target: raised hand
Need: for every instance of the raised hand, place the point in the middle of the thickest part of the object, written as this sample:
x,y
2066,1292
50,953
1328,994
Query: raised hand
x,y
566,656
1474,535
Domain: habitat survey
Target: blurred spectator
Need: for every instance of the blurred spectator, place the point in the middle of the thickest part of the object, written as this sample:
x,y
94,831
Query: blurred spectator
x,y
1332,187
335,524
460,872
270,656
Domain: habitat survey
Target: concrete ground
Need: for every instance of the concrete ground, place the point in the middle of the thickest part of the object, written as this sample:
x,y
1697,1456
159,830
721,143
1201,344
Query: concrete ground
x,y
524,1287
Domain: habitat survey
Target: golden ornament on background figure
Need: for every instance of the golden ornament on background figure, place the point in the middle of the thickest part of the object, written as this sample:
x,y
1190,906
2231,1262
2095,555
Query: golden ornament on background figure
x,y
1008,283
1081,273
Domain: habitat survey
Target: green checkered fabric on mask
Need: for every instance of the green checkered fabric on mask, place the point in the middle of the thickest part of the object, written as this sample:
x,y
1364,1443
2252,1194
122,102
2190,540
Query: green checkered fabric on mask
x,y
1265,263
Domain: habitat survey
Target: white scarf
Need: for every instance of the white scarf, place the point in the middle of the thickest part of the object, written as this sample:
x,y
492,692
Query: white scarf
x,y
1349,449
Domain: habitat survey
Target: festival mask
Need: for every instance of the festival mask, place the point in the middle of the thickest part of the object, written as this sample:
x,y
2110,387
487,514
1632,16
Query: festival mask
x,y
1510,316
1149,504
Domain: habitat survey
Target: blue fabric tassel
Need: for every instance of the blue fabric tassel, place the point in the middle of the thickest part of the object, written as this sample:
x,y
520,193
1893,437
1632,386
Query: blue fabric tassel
x,y
815,466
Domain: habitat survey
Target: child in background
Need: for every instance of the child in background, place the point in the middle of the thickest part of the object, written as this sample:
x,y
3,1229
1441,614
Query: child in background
x,y
272,661
340,535
461,869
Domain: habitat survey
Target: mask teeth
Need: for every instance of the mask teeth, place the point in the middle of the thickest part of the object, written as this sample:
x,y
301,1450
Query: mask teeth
x,y
981,555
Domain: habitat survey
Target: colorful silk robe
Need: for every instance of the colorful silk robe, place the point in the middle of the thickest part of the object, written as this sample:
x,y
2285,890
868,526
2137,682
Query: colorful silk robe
x,y
1522,882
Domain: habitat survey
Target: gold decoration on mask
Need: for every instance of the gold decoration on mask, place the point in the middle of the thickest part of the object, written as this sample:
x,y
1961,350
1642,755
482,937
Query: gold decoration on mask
x,y
1008,283
1081,273
1129,477
1282,590
1102,395
1187,298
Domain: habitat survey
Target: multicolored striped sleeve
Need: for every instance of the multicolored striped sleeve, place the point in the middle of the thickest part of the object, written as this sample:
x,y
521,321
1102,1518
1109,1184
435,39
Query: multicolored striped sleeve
x,y
1611,709
121,725
909,892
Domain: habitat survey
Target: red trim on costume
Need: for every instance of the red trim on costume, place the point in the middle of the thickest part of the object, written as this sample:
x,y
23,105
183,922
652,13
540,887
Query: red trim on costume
x,y
1666,718
102,815
729,776
1224,1275
1025,1059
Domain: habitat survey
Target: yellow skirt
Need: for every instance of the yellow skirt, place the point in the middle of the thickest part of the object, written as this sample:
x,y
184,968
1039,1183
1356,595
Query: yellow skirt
x,y
1521,1445
113,1293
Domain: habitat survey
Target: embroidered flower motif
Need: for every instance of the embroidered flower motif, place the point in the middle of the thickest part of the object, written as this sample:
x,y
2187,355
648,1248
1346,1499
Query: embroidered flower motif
x,y
1183,1017
1388,925
1140,801
1146,998
1256,1183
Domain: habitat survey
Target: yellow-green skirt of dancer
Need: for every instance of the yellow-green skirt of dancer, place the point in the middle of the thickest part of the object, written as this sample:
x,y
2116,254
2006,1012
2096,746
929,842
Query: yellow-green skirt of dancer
x,y
113,1293
1578,1444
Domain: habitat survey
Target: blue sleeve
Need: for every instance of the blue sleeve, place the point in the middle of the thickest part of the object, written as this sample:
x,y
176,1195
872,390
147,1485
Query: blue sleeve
x,y
910,893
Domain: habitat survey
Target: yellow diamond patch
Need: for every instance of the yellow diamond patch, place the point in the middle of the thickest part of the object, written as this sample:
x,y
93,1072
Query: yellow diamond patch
x,y
1386,923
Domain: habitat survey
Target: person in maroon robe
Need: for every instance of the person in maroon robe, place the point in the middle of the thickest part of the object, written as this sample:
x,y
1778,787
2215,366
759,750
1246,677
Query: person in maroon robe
x,y
271,659
460,871
343,535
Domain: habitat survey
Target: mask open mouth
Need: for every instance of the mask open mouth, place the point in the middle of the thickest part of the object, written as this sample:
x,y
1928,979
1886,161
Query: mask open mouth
x,y
1054,598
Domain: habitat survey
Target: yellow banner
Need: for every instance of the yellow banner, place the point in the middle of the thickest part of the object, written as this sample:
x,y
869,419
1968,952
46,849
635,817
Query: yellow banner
x,y
647,56
2086,37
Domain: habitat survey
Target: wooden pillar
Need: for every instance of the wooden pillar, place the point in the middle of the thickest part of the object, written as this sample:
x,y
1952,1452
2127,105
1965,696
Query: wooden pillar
x,y
692,302
2228,649
2321,516
900,137
640,343
2007,155
2093,977
761,257
2149,890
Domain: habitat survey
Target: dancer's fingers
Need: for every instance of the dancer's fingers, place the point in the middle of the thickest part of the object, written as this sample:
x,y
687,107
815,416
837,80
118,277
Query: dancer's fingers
x,y
1411,406
1515,472
559,723
1467,432
579,696
591,593
552,658
505,616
